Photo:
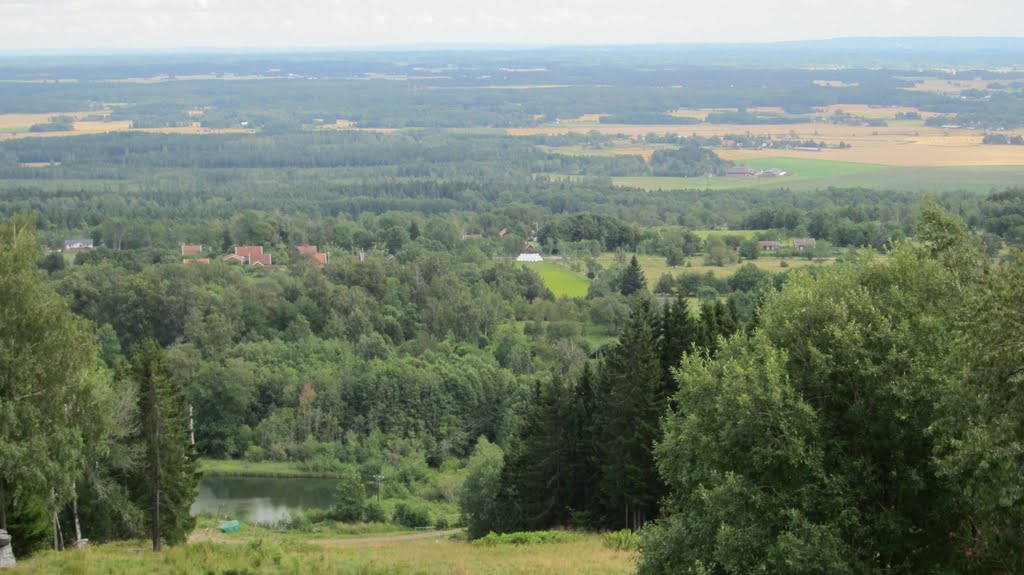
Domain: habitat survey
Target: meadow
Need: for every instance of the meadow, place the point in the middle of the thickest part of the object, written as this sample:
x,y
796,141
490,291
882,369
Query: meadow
x,y
560,280
435,555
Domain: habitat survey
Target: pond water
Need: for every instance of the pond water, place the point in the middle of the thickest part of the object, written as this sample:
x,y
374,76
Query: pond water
x,y
261,499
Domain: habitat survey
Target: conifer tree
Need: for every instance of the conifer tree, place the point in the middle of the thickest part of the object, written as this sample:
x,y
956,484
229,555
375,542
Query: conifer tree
x,y
167,484
679,333
535,488
633,280
628,425
582,445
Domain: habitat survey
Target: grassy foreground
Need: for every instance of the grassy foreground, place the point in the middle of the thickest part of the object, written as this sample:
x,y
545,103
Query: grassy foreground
x,y
269,556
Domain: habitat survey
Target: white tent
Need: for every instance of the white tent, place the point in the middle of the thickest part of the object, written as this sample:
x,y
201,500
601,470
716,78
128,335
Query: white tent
x,y
529,258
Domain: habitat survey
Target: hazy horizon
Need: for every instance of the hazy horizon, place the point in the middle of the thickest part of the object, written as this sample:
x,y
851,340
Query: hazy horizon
x,y
254,25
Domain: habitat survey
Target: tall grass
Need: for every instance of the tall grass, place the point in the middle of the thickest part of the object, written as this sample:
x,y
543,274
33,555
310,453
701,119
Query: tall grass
x,y
587,554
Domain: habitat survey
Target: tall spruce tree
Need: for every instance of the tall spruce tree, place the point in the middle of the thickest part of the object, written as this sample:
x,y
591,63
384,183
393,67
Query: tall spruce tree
x,y
629,423
679,333
166,486
583,461
633,280
535,488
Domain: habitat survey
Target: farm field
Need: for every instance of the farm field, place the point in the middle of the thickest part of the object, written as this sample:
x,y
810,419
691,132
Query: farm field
x,y
17,126
389,555
953,178
901,144
801,171
654,266
560,280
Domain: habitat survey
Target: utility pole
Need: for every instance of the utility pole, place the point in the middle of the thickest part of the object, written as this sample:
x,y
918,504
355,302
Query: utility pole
x,y
378,479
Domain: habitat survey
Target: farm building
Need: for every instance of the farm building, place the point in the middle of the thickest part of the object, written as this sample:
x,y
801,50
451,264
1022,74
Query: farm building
x,y
191,249
529,258
740,172
773,173
801,244
768,246
77,245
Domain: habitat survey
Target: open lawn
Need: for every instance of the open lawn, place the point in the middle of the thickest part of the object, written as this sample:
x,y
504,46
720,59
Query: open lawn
x,y
560,280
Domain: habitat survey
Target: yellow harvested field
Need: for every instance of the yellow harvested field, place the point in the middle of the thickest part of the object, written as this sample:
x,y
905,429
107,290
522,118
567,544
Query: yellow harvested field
x,y
23,121
882,112
897,145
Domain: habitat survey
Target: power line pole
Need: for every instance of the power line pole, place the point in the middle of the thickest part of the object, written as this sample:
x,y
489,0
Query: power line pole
x,y
378,479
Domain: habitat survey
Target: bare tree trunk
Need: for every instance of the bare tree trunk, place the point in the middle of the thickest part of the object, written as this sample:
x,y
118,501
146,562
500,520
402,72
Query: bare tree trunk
x,y
3,505
56,531
74,511
154,475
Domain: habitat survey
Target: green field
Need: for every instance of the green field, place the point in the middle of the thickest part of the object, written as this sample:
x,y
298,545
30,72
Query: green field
x,y
234,467
383,556
809,175
813,173
560,280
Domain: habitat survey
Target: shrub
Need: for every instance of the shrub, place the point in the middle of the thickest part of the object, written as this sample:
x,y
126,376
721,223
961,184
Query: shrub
x,y
373,512
349,497
442,523
623,539
527,538
409,516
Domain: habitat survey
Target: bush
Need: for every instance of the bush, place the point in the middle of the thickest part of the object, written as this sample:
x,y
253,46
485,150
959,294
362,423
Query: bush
x,y
373,512
623,539
349,497
442,523
527,538
409,516
254,453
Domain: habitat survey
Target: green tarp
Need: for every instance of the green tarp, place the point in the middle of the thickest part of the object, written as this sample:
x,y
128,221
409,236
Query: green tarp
x,y
230,526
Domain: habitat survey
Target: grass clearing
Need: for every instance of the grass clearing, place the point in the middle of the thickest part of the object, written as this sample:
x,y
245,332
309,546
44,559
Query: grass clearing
x,y
237,468
801,170
560,280
274,556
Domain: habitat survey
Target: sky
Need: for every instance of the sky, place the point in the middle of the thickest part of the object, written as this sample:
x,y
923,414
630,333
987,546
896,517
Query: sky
x,y
68,25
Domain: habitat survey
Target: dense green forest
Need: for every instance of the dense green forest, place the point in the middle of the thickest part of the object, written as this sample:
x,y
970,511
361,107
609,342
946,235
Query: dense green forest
x,y
854,414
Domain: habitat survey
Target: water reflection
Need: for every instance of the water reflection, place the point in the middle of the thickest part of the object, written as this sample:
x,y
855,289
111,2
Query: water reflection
x,y
261,499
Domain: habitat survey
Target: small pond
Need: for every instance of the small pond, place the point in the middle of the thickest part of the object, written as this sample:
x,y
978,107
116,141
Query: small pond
x,y
261,499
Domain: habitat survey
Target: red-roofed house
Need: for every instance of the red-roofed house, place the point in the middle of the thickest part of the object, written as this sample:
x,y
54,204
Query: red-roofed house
x,y
246,251
259,259
471,236
308,250
321,258
191,249
195,261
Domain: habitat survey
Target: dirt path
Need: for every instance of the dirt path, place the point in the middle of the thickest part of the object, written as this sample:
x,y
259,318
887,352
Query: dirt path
x,y
214,536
